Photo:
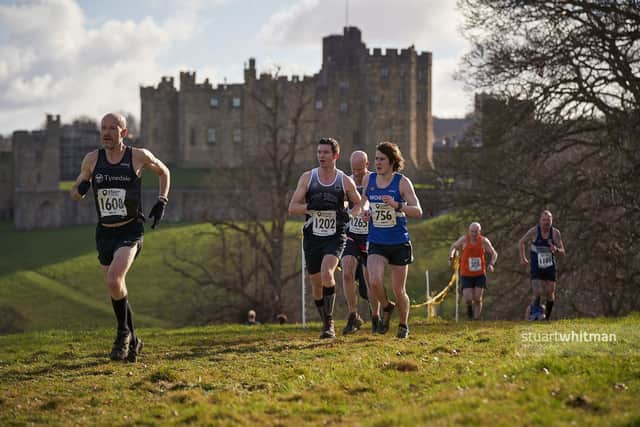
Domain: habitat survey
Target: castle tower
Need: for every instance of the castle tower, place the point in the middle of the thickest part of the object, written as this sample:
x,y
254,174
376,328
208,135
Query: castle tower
x,y
159,120
38,154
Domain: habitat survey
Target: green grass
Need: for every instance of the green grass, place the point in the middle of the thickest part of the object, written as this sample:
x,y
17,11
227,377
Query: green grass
x,y
445,374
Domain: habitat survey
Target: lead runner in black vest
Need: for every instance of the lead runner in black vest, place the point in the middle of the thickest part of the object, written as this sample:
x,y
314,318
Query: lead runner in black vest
x,y
114,172
320,196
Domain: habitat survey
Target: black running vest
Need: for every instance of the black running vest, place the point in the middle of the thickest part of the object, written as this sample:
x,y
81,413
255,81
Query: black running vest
x,y
117,189
330,217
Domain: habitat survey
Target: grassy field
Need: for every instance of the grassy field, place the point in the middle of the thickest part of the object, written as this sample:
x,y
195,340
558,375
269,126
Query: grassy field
x,y
478,373
52,277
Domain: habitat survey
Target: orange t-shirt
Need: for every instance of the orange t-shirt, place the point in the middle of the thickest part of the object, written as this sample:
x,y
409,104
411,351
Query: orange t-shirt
x,y
472,262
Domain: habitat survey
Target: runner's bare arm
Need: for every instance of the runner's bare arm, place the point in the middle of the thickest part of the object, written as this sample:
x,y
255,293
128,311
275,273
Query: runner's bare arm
x,y
148,161
528,236
298,205
486,243
83,181
456,246
353,196
412,209
558,238
366,213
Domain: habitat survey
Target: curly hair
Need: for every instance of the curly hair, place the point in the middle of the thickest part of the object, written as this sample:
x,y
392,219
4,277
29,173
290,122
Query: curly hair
x,y
392,151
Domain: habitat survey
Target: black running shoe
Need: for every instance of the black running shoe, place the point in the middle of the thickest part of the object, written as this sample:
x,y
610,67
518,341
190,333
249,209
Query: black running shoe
x,y
353,324
328,330
386,318
403,332
375,324
135,348
120,349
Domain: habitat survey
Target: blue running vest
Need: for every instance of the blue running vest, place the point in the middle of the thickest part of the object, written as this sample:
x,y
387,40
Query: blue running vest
x,y
386,225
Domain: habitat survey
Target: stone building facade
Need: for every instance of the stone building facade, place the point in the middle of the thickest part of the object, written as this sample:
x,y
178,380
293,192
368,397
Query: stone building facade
x,y
359,96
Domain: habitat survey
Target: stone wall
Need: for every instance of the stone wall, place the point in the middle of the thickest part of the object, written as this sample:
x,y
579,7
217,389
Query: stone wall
x,y
54,209
6,184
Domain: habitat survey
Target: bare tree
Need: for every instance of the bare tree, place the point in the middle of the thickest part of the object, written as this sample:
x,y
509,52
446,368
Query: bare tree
x,y
250,261
560,131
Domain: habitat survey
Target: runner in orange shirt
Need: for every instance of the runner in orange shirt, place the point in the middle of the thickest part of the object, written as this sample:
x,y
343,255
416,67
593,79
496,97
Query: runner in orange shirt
x,y
473,267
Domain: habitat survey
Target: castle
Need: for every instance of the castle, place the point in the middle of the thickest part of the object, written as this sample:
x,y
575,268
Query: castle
x,y
360,97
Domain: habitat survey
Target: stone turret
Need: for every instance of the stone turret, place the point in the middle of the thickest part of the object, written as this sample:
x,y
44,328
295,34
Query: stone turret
x,y
37,157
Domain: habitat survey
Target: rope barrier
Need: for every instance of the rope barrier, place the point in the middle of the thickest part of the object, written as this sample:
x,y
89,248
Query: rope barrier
x,y
438,298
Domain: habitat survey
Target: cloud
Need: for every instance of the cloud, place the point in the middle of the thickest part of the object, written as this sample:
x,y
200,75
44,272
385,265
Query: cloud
x,y
52,61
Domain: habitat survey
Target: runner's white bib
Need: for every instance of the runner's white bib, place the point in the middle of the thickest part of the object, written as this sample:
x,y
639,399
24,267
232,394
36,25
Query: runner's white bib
x,y
358,225
475,264
383,215
324,223
545,259
111,201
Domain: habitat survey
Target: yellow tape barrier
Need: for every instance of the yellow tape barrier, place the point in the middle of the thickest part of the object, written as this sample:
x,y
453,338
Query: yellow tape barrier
x,y
437,299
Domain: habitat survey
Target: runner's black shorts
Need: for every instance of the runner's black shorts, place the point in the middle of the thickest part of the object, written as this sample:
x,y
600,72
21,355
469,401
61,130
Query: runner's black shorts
x,y
548,274
110,239
400,254
356,247
315,248
470,282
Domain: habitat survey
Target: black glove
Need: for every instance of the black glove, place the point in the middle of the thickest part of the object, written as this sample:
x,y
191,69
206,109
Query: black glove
x,y
83,187
157,212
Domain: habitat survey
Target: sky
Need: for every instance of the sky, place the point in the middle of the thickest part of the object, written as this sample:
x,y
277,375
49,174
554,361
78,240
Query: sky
x,y
87,57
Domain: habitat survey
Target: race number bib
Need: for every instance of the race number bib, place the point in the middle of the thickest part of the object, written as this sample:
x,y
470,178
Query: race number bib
x,y
358,225
324,223
111,202
383,215
475,264
545,259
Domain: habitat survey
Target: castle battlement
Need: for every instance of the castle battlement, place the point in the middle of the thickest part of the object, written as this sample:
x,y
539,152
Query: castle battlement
x,y
53,121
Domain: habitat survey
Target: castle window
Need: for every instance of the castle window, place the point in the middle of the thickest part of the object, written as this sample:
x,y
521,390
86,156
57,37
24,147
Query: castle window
x,y
356,138
211,135
421,75
343,86
236,102
319,105
419,98
192,137
213,102
384,73
344,107
237,135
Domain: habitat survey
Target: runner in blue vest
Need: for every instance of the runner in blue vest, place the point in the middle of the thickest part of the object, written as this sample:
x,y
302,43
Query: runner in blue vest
x,y
114,172
391,200
320,196
546,242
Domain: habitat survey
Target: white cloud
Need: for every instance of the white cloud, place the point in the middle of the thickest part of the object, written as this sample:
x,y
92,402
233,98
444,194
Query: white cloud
x,y
449,97
51,61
